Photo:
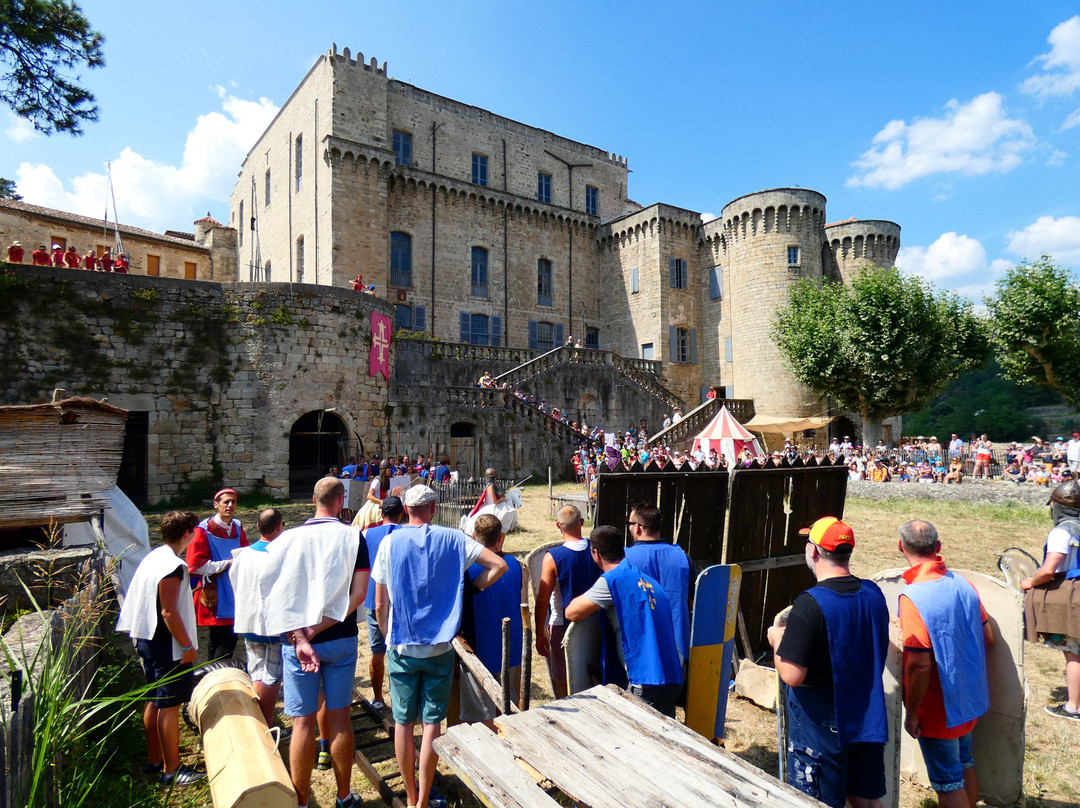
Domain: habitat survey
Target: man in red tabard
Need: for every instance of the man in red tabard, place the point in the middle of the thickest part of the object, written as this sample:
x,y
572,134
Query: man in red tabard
x,y
90,259
106,261
121,264
209,556
71,258
57,255
15,253
40,257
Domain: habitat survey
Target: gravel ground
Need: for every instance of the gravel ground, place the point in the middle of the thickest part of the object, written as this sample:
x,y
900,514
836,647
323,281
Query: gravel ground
x,y
992,492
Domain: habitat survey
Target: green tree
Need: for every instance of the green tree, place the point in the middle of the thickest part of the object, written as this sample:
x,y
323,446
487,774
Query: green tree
x,y
43,43
7,190
1035,327
884,345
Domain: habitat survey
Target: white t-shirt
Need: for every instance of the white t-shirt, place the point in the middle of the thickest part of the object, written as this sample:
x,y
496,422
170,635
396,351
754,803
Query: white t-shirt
x,y
1059,540
380,574
1072,450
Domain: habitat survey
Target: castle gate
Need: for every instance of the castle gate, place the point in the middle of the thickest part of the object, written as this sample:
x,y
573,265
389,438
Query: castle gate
x,y
317,441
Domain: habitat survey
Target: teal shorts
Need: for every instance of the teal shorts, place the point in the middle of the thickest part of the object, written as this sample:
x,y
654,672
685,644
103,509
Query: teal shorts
x,y
420,686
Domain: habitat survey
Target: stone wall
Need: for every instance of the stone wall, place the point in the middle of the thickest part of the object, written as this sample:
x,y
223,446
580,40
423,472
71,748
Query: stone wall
x,y
224,371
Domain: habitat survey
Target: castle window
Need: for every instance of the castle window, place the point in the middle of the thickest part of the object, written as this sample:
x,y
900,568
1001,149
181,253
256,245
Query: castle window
x,y
677,275
647,351
543,187
241,225
479,329
635,285
682,344
410,318
544,336
479,169
400,259
479,272
153,264
592,338
189,270
793,256
299,160
592,200
727,349
266,195
300,259
716,284
403,148
543,282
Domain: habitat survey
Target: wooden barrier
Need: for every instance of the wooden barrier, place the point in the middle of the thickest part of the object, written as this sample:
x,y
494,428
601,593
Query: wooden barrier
x,y
242,761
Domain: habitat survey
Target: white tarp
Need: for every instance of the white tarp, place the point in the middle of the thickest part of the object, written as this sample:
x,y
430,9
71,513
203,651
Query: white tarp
x,y
127,537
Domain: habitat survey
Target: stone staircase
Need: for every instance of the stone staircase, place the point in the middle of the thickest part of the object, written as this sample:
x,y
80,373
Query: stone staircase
x,y
475,397
698,418
643,372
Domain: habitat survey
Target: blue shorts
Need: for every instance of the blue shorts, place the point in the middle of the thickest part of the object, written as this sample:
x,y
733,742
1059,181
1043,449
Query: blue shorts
x,y
819,766
946,759
376,640
336,674
420,686
158,664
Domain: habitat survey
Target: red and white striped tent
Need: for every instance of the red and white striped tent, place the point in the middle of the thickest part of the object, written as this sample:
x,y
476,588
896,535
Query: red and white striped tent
x,y
727,436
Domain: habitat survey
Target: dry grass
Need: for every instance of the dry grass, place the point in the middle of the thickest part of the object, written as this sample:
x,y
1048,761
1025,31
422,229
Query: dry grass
x,y
971,535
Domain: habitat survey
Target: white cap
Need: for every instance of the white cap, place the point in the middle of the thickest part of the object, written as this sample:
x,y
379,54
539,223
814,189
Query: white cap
x,y
418,496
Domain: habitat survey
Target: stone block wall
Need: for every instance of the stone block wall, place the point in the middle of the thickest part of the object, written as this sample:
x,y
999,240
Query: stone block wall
x,y
223,370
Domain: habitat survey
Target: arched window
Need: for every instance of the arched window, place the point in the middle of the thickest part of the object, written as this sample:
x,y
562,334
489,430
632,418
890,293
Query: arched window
x,y
400,259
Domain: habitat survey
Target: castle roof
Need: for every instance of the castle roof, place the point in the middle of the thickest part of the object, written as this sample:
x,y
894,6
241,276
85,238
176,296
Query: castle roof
x,y
89,221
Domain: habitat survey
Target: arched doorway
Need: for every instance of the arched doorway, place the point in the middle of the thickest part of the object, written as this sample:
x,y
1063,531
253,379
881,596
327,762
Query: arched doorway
x,y
317,441
588,409
463,455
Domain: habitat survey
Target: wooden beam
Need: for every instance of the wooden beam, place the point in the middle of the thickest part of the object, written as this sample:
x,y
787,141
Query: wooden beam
x,y
488,682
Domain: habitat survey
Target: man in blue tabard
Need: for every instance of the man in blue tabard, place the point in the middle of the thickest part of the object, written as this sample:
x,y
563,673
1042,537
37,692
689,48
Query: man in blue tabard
x,y
566,572
667,563
393,516
640,617
831,654
419,575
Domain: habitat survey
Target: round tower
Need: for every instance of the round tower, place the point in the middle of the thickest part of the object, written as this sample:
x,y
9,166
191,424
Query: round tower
x,y
769,241
856,243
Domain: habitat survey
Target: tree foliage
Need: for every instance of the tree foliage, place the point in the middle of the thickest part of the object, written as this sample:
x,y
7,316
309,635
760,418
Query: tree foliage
x,y
7,190
1035,327
884,345
43,43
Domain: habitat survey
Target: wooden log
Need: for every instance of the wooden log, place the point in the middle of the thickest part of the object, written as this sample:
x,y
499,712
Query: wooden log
x,y
504,673
526,661
483,676
226,711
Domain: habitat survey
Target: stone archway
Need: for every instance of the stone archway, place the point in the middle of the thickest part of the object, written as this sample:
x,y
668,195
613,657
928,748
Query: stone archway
x,y
589,409
318,440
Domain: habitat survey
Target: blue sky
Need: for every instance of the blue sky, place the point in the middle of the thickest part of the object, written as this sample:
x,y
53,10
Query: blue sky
x,y
958,121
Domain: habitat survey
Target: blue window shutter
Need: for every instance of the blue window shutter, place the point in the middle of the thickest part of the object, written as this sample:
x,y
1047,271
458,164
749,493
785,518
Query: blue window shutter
x,y
714,283
496,330
673,348
558,329
673,272
465,327
534,337
420,318
693,345
634,283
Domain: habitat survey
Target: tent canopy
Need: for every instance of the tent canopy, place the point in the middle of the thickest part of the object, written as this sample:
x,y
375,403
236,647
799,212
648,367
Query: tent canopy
x,y
727,436
785,423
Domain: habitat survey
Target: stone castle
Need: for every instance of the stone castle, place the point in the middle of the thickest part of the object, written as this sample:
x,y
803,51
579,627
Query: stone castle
x,y
483,230
487,241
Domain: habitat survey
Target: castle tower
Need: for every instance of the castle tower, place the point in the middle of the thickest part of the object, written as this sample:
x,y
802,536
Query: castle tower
x,y
767,241
856,243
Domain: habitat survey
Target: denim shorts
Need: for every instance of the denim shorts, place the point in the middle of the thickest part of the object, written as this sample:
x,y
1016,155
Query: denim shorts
x,y
158,664
376,640
818,765
336,673
946,759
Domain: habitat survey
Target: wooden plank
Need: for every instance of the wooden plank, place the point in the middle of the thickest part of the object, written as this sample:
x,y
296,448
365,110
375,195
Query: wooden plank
x,y
488,682
486,764
385,792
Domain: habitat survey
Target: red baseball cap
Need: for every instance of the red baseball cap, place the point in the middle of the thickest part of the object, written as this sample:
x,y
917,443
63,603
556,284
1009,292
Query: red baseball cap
x,y
829,533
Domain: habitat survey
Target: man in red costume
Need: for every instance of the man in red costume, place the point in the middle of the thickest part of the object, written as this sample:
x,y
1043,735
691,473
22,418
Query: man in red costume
x,y
57,255
121,264
209,556
72,259
15,253
90,260
40,257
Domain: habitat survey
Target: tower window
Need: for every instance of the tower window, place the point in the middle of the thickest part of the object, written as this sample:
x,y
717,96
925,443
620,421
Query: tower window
x,y
479,169
403,148
592,200
400,259
793,256
543,187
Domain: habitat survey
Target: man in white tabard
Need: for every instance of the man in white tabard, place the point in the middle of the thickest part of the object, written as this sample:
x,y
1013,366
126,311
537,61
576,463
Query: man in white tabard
x,y
419,575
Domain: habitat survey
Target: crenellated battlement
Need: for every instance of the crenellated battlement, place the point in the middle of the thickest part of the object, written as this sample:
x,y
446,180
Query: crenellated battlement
x,y
346,58
856,243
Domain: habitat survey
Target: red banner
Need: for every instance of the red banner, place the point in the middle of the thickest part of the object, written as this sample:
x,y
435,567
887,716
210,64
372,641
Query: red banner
x,y
379,359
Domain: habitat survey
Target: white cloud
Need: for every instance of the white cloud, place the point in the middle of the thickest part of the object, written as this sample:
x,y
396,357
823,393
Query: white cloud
x,y
970,139
1061,66
1072,120
152,194
20,130
956,262
707,217
1059,238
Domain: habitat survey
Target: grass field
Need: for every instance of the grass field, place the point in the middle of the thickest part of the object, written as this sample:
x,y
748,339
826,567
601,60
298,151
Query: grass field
x,y
971,534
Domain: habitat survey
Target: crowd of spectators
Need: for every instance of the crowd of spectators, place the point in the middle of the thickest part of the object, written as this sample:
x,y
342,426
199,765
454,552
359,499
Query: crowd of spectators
x,y
70,258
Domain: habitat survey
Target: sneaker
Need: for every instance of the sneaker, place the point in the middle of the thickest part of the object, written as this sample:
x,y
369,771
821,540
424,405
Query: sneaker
x,y
322,763
378,706
1063,711
351,801
183,776
149,769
